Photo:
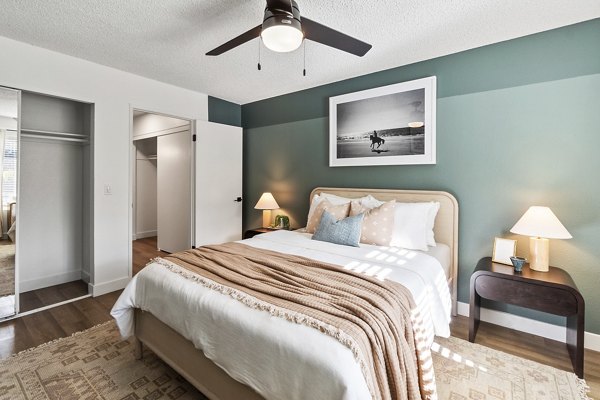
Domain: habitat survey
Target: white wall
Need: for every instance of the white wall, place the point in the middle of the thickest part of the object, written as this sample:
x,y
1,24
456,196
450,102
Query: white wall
x,y
113,92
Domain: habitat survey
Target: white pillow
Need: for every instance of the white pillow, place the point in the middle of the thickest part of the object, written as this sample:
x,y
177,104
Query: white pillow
x,y
411,226
433,210
371,202
337,200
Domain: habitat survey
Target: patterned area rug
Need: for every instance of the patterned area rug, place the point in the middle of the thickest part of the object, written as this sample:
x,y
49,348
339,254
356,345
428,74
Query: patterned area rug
x,y
465,370
93,364
7,269
96,364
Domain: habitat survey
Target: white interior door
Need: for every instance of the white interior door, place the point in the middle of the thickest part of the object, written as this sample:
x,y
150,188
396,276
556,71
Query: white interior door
x,y
218,213
173,174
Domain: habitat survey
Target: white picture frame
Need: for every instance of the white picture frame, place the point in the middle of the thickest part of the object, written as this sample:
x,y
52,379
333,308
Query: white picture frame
x,y
358,121
504,249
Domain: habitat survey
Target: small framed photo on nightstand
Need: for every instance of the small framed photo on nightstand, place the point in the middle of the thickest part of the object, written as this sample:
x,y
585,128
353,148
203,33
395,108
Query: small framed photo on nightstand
x,y
504,249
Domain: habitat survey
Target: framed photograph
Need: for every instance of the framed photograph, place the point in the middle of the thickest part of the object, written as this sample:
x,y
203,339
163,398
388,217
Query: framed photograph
x,y
388,125
504,249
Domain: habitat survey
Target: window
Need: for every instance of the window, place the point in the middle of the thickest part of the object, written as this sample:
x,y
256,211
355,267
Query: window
x,y
9,169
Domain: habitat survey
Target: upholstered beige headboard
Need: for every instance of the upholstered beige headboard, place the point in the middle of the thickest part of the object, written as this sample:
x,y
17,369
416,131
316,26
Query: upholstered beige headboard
x,y
446,222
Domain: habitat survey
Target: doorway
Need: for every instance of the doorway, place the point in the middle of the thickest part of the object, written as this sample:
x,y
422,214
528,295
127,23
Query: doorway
x,y
162,154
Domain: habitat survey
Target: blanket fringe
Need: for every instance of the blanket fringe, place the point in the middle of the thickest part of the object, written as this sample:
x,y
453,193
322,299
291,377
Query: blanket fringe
x,y
275,311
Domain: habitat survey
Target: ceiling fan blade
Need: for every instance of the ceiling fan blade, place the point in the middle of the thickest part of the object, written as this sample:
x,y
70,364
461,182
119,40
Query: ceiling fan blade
x,y
330,37
237,41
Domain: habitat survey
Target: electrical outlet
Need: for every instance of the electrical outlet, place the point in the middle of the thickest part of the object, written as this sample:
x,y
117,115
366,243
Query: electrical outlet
x,y
107,190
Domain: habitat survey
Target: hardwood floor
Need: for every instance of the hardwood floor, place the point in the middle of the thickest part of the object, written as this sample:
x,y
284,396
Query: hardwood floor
x,y
51,295
62,321
32,330
35,329
143,251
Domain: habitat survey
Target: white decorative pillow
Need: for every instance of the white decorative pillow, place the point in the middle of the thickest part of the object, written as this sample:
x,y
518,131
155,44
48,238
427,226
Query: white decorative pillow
x,y
338,211
411,222
378,223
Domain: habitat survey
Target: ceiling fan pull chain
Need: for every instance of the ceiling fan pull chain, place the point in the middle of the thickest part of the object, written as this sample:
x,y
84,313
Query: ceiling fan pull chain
x,y
304,51
259,40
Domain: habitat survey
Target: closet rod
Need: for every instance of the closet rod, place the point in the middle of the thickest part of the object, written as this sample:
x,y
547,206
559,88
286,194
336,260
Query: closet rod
x,y
63,139
37,131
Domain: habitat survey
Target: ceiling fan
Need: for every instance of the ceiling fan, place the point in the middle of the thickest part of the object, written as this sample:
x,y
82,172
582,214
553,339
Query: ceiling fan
x,y
282,30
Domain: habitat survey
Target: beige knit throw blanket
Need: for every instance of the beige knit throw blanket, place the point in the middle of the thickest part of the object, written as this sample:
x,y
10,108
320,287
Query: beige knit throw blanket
x,y
371,317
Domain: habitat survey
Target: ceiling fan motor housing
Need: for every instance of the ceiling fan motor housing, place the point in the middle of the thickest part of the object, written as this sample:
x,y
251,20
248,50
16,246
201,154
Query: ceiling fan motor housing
x,y
281,12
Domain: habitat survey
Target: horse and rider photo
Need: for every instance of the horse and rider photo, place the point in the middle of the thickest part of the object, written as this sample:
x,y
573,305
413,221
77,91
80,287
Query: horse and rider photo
x,y
389,125
384,142
376,140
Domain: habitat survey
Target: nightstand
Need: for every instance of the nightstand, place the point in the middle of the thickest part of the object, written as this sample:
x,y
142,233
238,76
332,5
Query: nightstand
x,y
257,231
553,292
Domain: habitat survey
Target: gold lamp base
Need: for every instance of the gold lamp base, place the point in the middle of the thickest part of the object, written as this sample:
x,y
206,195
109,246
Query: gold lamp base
x,y
266,218
539,254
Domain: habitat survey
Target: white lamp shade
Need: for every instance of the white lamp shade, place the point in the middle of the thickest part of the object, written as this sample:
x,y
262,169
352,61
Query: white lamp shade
x,y
282,38
540,222
266,202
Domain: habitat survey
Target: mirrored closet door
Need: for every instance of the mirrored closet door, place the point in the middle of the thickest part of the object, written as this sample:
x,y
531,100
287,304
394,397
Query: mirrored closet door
x,y
10,100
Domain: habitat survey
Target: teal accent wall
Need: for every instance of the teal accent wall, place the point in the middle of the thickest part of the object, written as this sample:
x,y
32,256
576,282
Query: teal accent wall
x,y
518,124
224,112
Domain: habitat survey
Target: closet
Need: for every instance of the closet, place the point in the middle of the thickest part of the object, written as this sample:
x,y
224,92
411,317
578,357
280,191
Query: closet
x,y
46,200
163,186
55,194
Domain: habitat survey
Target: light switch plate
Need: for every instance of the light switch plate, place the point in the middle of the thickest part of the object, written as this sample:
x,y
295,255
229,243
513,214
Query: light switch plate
x,y
107,190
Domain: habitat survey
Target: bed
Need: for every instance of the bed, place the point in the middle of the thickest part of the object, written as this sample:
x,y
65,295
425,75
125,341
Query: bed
x,y
161,329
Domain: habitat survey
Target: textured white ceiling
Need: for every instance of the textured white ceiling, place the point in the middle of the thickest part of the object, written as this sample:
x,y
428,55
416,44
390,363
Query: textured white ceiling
x,y
166,39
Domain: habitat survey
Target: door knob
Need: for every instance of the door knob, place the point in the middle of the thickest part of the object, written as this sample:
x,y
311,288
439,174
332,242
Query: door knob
x,y
238,200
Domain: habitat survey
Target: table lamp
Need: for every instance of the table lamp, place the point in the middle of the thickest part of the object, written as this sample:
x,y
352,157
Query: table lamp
x,y
266,203
540,224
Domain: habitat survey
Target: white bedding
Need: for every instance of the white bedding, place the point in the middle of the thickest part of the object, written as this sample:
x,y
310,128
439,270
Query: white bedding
x,y
441,252
277,358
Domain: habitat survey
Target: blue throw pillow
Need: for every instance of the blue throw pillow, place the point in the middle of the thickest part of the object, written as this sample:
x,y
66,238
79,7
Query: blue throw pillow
x,y
345,231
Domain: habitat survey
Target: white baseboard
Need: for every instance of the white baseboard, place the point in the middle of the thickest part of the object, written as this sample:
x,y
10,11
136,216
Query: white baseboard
x,y
528,325
142,235
106,287
50,280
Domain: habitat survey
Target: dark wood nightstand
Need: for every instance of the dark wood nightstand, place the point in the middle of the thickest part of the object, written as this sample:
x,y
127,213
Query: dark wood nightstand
x,y
553,292
257,231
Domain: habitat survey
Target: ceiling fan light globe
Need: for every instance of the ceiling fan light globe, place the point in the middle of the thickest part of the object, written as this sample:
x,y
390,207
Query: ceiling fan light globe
x,y
282,38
